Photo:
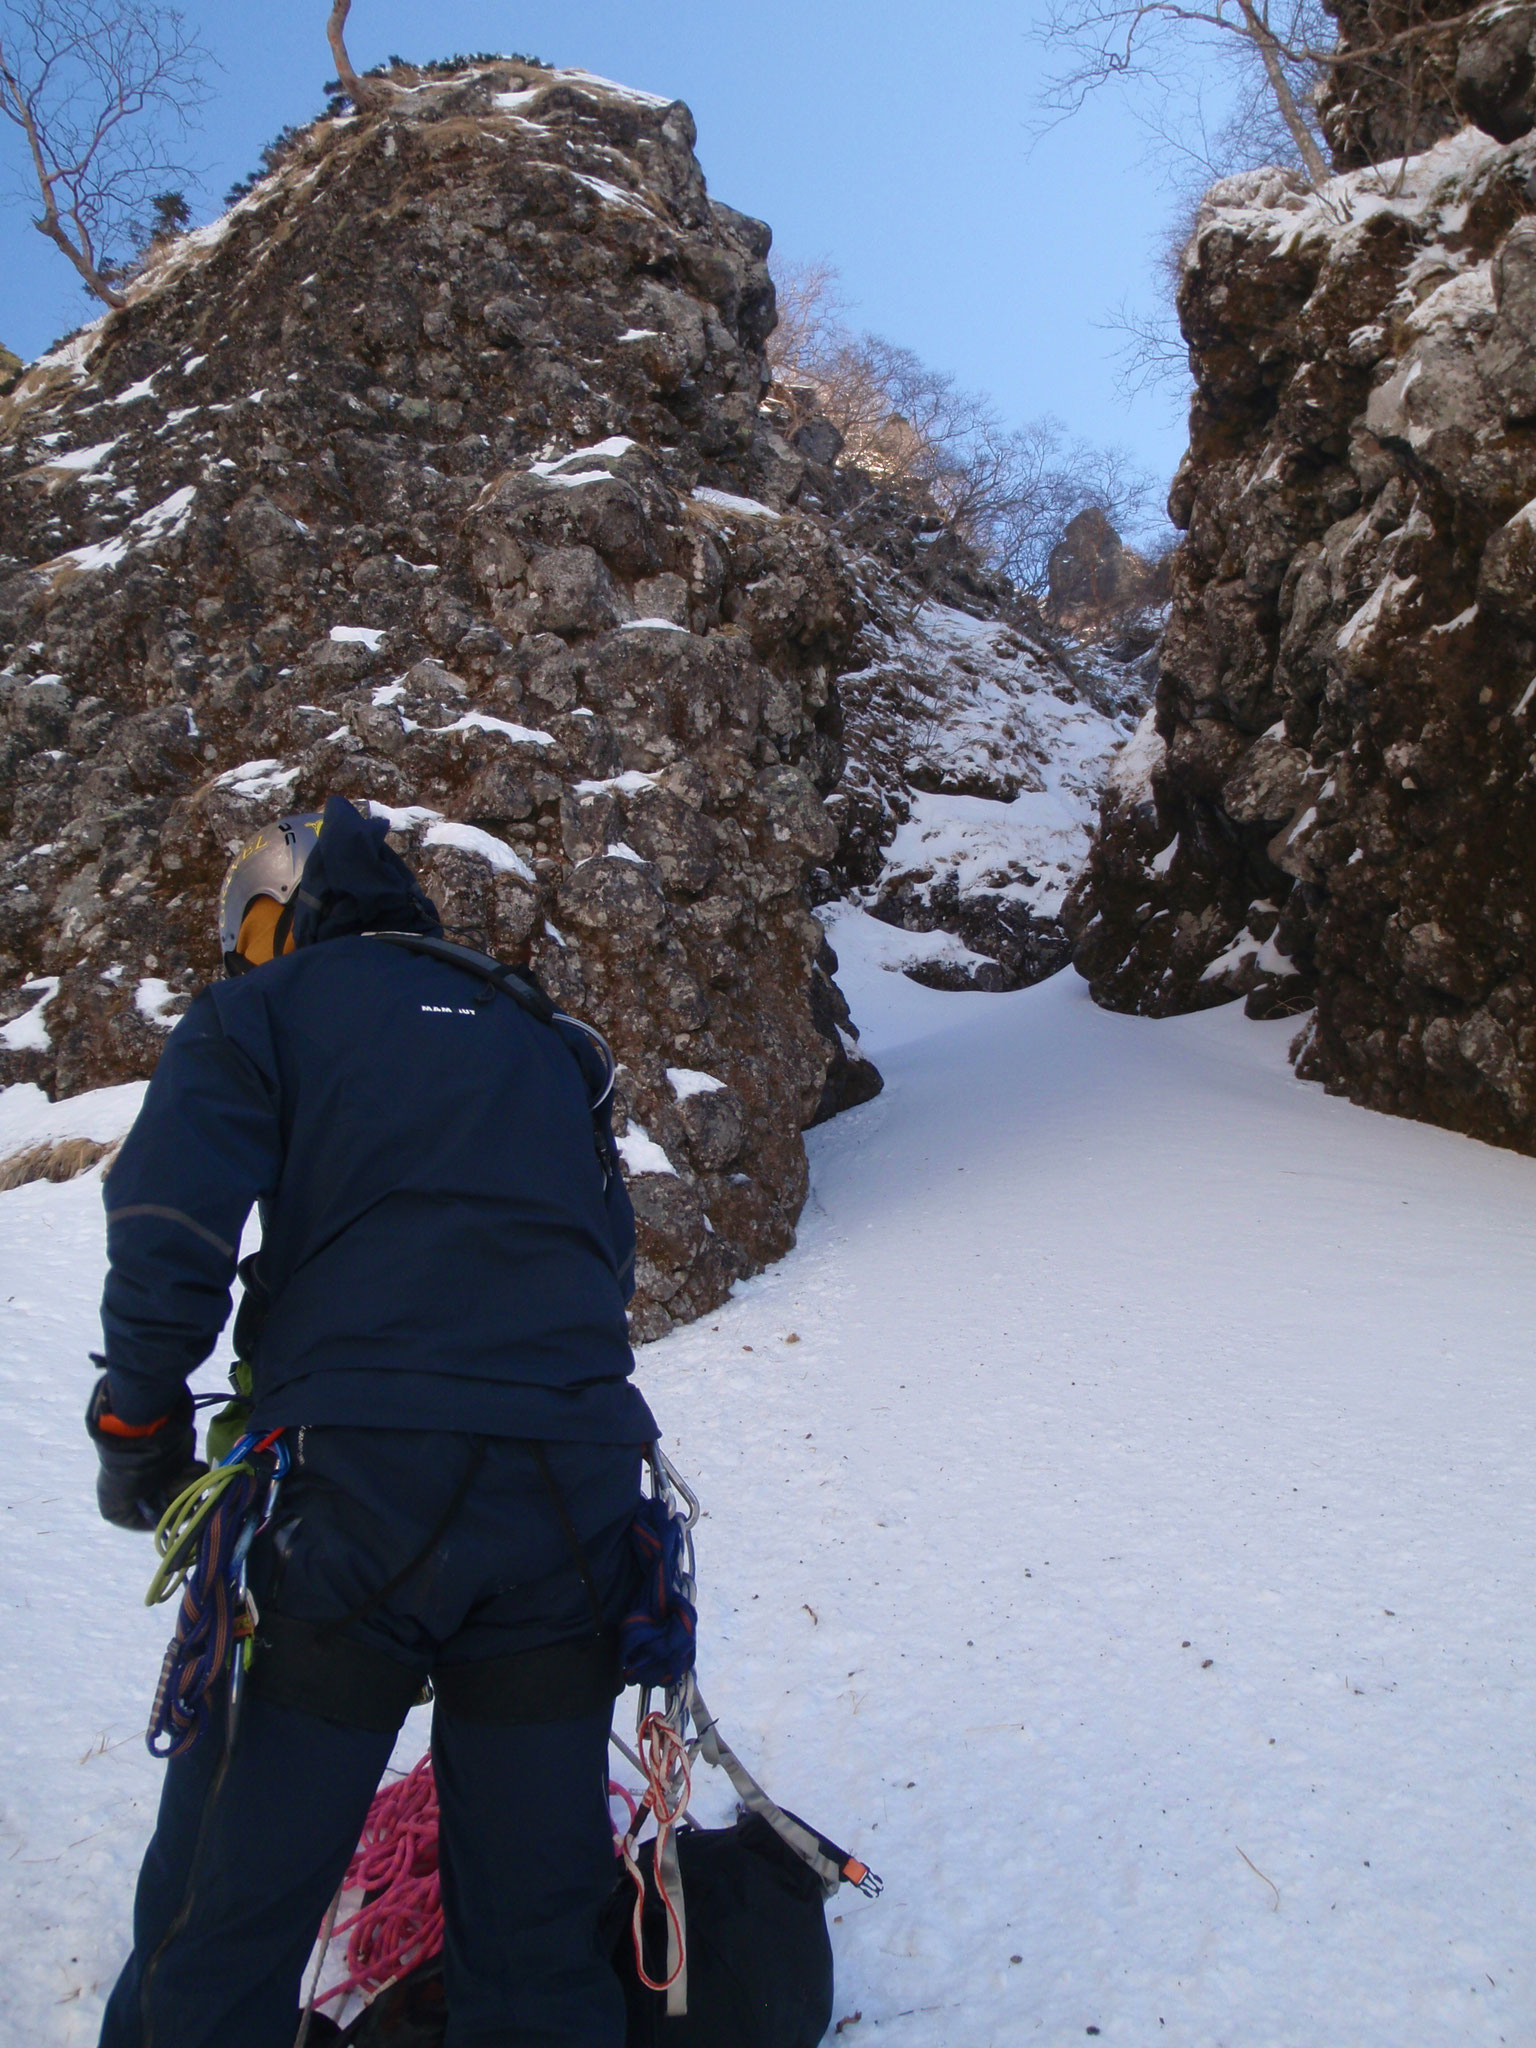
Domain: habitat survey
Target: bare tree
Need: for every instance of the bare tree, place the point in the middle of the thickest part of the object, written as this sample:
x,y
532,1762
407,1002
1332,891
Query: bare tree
x,y
364,93
93,86
913,431
810,311
1292,43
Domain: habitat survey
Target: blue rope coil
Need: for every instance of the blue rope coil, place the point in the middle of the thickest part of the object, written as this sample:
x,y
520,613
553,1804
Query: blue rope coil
x,y
658,1638
203,1539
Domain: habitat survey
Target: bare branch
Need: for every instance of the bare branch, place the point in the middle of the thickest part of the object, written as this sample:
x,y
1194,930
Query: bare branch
x,y
92,85
910,431
1293,41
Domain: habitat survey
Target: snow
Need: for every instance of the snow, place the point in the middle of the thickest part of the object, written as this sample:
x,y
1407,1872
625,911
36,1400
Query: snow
x,y
621,850
1429,189
619,92
481,721
726,501
28,1118
82,460
558,468
402,817
255,780
371,637
1264,953
641,1154
28,1032
152,998
652,626
1160,863
1113,1337
1130,776
629,783
389,693
1461,619
470,839
687,1082
984,706
160,522
1383,598
615,195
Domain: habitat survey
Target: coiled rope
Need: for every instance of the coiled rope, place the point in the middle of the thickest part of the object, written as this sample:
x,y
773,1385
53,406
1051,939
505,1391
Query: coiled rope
x,y
400,1923
202,1539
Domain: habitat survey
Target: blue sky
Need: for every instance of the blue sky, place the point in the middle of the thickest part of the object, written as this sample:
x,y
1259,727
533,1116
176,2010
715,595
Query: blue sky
x,y
894,139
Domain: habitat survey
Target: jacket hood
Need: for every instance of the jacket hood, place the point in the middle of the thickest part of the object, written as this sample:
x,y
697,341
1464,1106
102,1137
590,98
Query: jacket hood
x,y
355,882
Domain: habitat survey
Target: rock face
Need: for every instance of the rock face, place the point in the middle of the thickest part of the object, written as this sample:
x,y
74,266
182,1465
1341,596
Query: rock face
x,y
1396,98
1495,81
434,474
1333,804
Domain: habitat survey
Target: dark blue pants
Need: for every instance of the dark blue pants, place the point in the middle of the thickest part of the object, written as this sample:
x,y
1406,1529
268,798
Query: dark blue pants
x,y
252,1839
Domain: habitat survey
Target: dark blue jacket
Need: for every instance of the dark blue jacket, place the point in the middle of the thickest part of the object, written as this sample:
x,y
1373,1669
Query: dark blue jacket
x,y
440,1250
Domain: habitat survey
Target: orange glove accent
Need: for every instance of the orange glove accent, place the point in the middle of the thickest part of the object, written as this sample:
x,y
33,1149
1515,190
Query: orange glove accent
x,y
109,1425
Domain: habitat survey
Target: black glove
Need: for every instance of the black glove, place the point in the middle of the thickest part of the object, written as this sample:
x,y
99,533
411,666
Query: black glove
x,y
141,1474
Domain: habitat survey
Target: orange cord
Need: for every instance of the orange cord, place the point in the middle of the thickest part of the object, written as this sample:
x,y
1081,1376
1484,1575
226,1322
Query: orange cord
x,y
663,1755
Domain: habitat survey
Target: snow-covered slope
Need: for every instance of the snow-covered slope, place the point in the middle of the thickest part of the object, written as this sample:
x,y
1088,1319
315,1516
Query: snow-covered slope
x,y
1122,1491
968,800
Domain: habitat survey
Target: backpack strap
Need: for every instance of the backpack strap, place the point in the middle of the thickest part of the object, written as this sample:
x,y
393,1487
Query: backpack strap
x,y
513,981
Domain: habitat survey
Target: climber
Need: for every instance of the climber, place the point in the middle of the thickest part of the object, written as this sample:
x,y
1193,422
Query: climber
x,y
435,1321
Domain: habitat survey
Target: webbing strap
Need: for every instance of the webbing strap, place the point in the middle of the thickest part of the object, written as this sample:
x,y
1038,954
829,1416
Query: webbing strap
x,y
669,1873
716,1750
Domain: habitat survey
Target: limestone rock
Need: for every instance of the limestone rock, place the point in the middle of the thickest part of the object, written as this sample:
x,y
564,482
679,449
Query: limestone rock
x,y
434,475
1338,810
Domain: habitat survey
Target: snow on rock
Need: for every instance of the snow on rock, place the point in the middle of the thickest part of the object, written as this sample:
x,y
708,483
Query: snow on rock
x,y
153,997
727,501
28,1032
975,765
481,721
257,781
28,1118
641,1154
686,1082
506,860
370,637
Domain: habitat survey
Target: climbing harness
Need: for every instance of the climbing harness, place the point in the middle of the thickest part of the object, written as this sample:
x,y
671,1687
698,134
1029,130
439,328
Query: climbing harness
x,y
204,1541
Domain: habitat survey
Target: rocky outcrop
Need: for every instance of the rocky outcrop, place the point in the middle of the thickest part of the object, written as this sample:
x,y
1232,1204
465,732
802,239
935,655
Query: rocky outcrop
x,y
1333,806
434,474
1097,585
1495,79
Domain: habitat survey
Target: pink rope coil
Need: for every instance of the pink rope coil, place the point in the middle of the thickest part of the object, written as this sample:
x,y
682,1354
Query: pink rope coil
x,y
400,1923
